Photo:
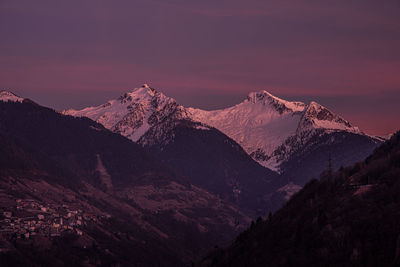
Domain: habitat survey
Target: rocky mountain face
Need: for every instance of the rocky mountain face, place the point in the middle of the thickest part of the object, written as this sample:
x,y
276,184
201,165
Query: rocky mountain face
x,y
346,218
294,139
135,112
72,192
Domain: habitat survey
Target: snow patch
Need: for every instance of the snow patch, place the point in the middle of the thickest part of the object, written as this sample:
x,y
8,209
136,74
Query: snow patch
x,y
202,127
8,96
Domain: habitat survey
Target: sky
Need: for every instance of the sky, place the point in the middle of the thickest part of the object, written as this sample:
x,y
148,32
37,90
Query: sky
x,y
344,54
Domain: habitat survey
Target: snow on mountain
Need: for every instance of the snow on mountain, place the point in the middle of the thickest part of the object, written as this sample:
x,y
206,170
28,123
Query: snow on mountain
x,y
263,122
8,96
317,116
269,129
134,113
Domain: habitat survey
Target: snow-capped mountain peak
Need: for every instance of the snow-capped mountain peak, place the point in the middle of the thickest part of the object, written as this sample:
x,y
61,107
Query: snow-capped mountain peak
x,y
133,113
267,126
279,104
8,96
317,116
145,92
260,123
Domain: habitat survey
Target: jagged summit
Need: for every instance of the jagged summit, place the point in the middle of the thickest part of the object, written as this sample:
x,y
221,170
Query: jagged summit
x,y
133,113
146,85
142,92
314,114
9,96
318,116
317,111
280,105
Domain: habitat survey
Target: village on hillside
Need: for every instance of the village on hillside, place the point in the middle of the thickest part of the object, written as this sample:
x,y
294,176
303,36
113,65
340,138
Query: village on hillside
x,y
29,218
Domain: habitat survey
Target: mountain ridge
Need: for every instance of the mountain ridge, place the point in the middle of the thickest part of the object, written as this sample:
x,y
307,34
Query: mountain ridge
x,y
258,131
263,122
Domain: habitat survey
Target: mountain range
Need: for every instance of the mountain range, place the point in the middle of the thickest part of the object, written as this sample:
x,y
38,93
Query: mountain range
x,y
144,180
295,140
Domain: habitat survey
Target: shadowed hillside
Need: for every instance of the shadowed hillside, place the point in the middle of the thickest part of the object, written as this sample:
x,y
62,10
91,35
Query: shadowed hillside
x,y
346,218
74,193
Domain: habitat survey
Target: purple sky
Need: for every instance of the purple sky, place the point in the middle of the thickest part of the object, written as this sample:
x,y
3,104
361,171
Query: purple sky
x,y
344,54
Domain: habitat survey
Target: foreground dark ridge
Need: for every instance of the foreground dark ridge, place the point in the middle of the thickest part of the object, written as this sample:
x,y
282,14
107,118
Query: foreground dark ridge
x,y
346,218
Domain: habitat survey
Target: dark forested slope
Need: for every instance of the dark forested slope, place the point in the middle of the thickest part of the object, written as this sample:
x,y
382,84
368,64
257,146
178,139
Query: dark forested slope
x,y
346,218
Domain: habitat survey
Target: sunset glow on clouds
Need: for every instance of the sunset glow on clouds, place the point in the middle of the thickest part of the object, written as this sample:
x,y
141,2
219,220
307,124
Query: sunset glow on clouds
x,y
208,54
